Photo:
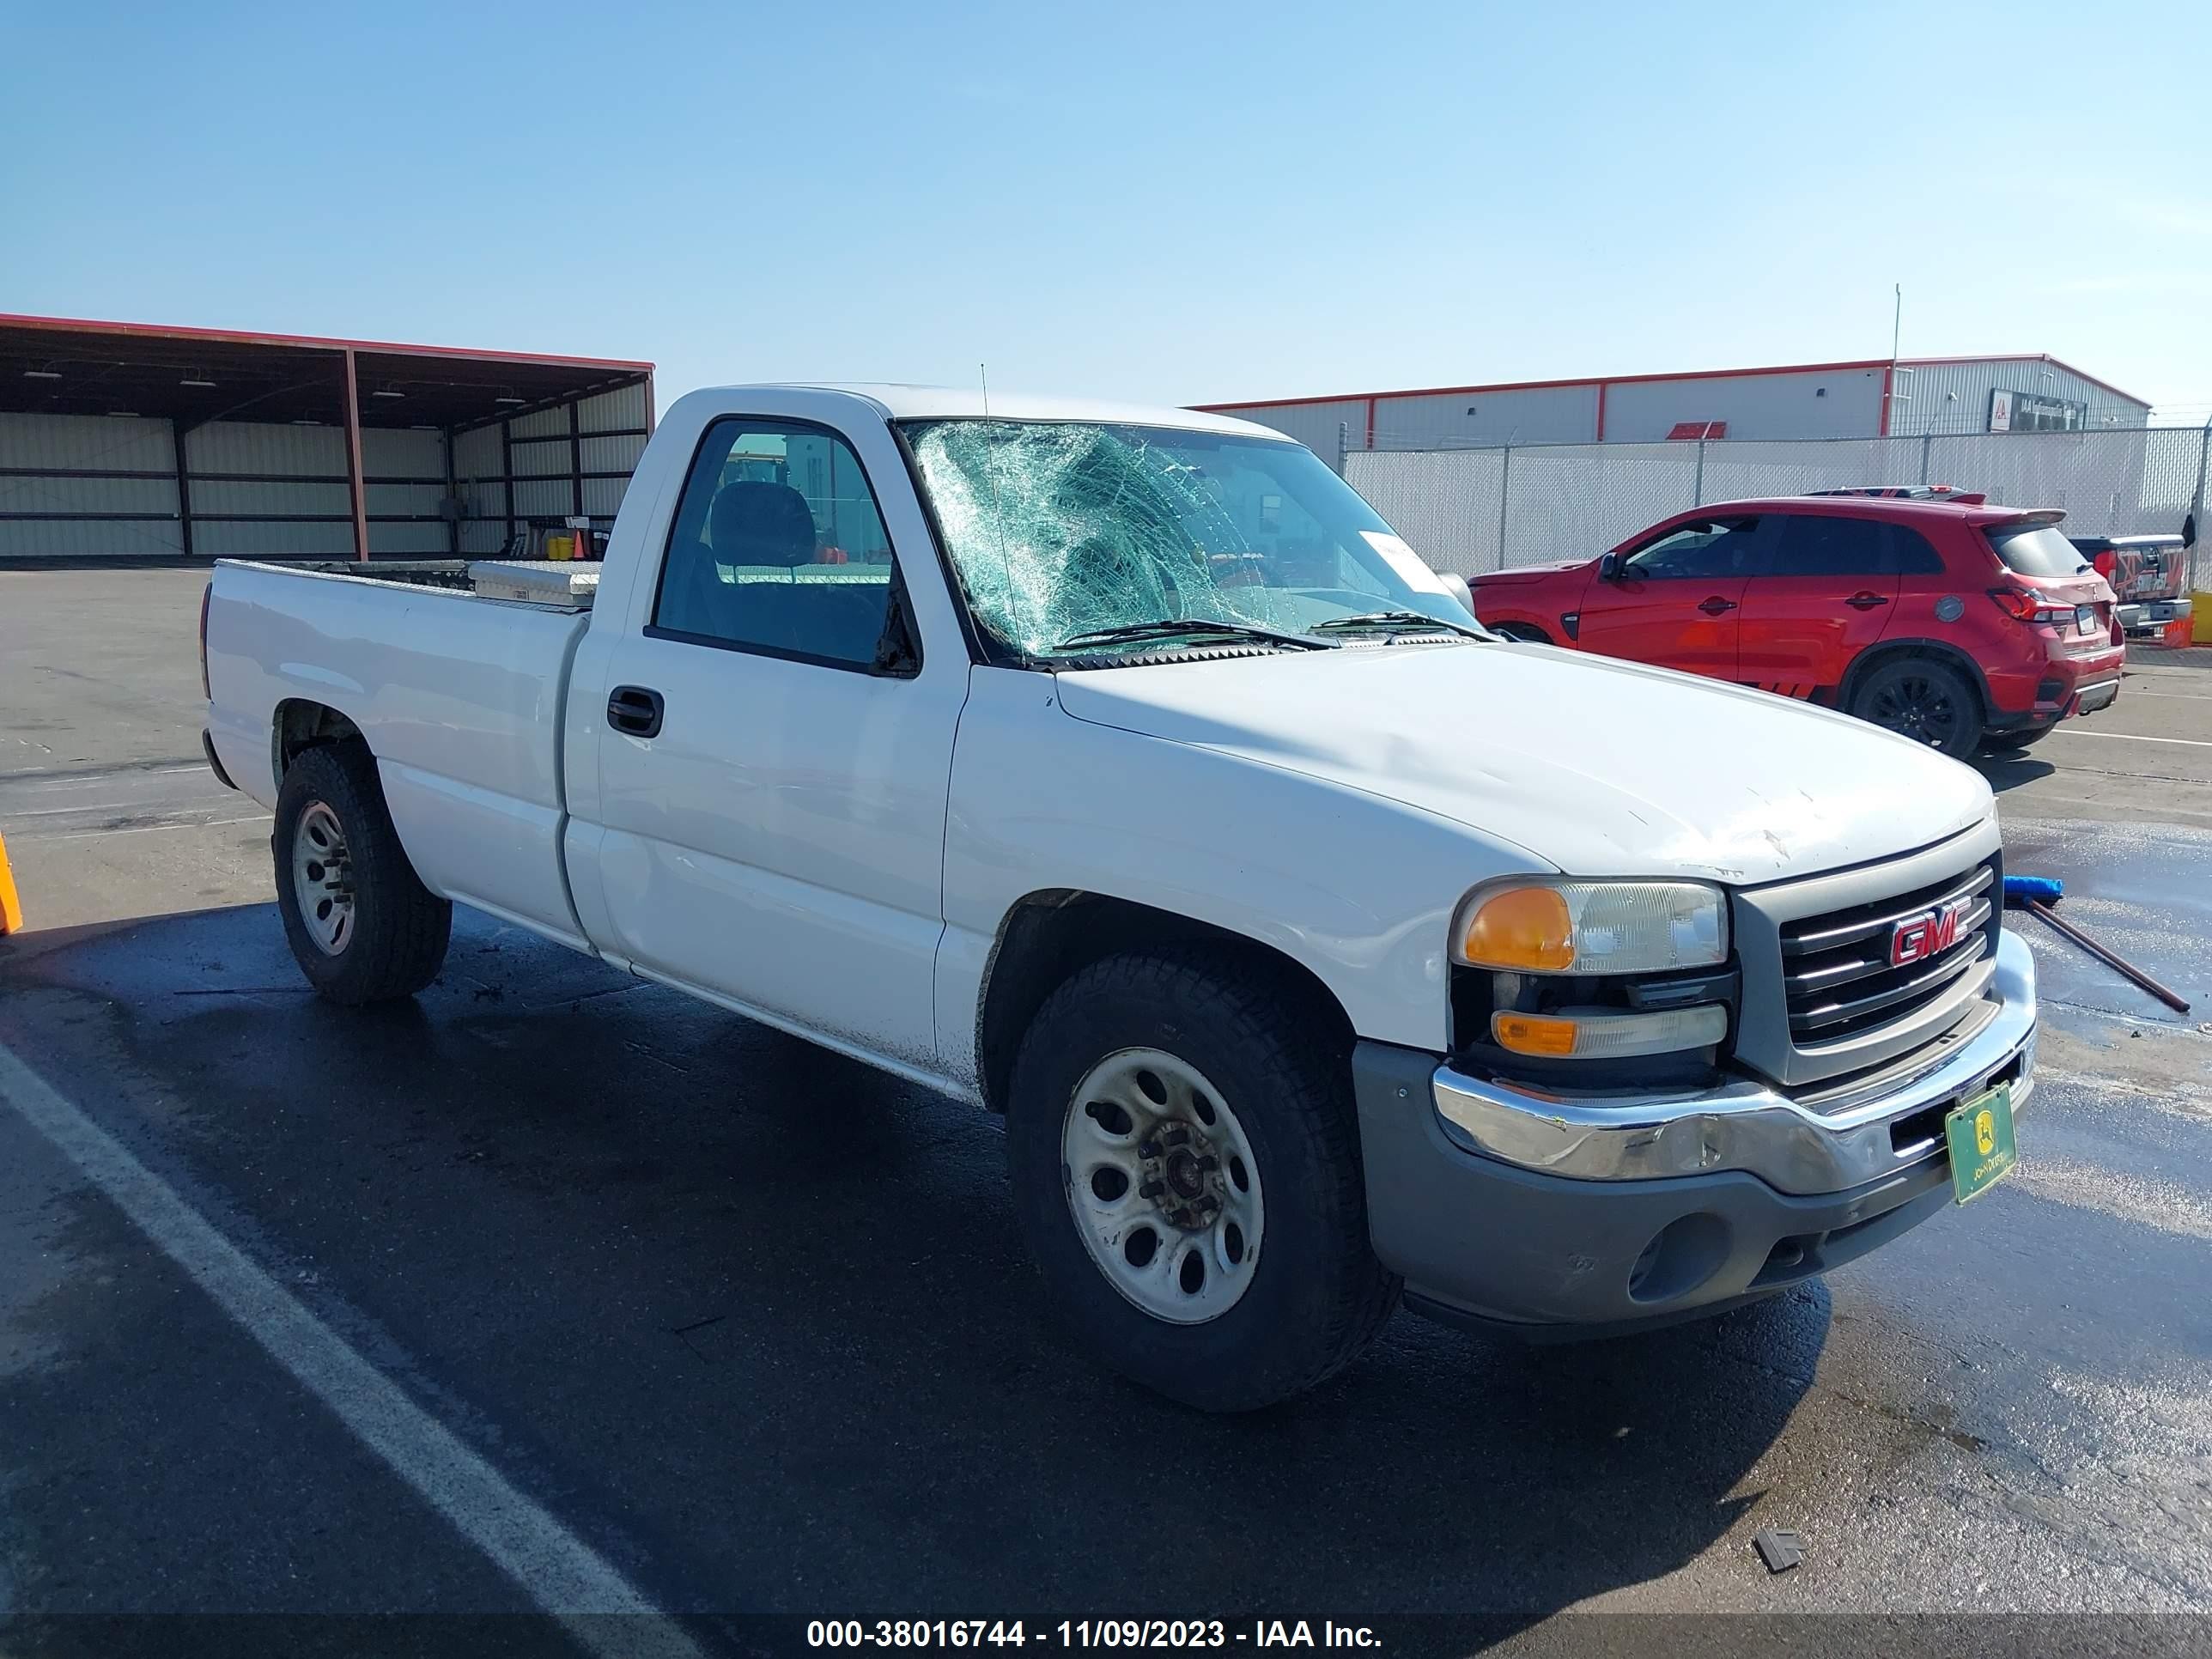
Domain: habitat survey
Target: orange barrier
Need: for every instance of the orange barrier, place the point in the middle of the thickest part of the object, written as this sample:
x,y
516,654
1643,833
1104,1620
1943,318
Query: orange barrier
x,y
11,907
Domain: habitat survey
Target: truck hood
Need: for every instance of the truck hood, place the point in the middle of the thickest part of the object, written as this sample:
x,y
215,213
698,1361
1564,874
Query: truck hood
x,y
1597,767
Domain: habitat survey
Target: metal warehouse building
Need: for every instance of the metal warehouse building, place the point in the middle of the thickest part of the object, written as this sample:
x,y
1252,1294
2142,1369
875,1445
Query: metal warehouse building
x,y
1905,396
122,439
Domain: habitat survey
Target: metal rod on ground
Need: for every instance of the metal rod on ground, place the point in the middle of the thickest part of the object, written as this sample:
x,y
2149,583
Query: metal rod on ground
x,y
2105,956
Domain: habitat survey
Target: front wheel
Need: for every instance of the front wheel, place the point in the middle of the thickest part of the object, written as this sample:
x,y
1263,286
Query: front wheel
x,y
1527,632
1925,700
361,924
1185,1163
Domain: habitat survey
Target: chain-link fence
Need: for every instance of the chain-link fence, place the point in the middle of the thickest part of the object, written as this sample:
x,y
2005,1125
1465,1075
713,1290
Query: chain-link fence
x,y
1473,510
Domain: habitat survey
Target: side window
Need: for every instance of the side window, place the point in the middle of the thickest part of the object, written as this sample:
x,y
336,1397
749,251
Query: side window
x,y
1819,546
1914,554
777,547
1704,550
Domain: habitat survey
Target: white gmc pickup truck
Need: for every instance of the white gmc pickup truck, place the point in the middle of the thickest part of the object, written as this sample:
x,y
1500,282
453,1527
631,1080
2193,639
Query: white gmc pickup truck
x,y
1119,771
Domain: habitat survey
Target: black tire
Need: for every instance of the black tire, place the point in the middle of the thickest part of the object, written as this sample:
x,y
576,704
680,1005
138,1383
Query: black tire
x,y
394,942
2019,737
1924,699
1516,631
1317,1295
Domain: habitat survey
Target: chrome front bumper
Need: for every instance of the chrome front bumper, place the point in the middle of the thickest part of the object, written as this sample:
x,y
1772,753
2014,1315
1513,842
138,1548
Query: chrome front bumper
x,y
1746,1125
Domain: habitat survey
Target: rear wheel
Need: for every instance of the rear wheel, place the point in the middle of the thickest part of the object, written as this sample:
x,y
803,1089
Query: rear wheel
x,y
1925,700
1185,1155
361,924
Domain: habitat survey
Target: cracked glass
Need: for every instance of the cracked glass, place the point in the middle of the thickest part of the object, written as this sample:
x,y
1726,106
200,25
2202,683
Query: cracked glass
x,y
1059,530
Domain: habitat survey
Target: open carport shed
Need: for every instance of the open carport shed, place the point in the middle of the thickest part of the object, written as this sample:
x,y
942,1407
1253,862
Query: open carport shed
x,y
122,439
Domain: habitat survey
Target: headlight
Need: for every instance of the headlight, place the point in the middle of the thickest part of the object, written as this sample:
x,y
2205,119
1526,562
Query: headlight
x,y
1592,926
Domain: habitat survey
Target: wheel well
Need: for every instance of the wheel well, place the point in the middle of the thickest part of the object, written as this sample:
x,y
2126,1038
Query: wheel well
x,y
1050,935
1520,628
1890,650
301,725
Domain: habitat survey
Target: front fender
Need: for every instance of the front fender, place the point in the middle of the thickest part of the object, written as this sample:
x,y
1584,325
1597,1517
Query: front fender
x,y
1356,889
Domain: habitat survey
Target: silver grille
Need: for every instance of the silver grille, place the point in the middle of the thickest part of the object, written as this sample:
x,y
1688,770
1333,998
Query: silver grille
x,y
1822,1001
1836,973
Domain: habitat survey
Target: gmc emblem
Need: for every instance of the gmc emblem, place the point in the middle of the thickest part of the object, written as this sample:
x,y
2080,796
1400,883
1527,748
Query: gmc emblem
x,y
1927,934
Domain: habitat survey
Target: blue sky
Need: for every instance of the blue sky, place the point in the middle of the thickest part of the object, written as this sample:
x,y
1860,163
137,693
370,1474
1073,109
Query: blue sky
x,y
1175,203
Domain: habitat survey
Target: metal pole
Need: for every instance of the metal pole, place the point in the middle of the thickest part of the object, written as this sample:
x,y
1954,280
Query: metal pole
x,y
1343,445
2196,505
1504,495
354,482
1927,443
576,458
1698,489
452,494
506,477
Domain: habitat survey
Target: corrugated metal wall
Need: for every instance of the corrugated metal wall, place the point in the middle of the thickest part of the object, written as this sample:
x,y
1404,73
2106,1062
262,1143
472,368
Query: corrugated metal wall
x,y
87,486
1824,404
75,486
1787,404
1765,405
1315,425
1946,398
550,464
1523,414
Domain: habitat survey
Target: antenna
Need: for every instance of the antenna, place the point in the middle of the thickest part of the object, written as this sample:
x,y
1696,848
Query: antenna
x,y
983,374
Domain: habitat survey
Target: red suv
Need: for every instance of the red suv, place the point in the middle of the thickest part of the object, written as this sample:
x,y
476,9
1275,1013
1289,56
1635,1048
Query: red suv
x,y
1932,614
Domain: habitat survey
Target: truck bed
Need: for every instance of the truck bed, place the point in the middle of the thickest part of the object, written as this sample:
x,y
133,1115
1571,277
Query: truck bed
x,y
461,697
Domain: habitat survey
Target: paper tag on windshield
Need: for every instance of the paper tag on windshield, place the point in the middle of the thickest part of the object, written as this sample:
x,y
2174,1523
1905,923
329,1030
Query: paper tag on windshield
x,y
1403,560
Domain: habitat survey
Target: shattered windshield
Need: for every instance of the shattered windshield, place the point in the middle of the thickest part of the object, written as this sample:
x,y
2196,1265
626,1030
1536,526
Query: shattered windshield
x,y
1064,531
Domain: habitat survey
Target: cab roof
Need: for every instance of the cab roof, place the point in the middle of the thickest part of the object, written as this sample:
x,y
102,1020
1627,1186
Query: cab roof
x,y
896,401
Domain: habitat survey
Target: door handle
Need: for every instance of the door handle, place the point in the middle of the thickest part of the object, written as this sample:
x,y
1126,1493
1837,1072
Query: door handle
x,y
1716,606
1866,601
635,712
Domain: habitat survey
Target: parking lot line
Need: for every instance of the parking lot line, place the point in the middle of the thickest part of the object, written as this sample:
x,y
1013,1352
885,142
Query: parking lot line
x,y
558,1571
2132,736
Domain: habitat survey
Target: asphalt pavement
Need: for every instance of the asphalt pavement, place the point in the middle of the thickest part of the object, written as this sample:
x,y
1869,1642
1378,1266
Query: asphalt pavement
x,y
552,1288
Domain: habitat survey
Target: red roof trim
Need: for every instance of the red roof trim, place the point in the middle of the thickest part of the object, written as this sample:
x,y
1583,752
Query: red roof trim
x,y
385,348
1869,363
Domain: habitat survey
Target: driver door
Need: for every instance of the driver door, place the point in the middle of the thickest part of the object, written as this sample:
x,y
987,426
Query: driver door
x,y
1676,601
770,817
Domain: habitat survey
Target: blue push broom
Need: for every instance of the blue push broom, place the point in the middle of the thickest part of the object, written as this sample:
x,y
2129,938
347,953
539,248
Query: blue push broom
x,y
2037,894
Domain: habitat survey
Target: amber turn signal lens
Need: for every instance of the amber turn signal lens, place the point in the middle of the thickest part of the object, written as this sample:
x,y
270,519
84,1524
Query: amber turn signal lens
x,y
1523,927
1534,1034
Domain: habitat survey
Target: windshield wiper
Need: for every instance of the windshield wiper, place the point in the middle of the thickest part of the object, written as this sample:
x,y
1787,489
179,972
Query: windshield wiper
x,y
1401,621
1170,628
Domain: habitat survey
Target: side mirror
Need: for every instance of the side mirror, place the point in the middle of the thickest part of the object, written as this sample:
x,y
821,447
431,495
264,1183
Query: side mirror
x,y
1608,567
1456,586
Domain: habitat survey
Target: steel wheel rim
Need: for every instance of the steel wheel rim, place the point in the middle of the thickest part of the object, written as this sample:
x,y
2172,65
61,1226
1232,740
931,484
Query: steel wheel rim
x,y
322,878
1917,707
1152,1151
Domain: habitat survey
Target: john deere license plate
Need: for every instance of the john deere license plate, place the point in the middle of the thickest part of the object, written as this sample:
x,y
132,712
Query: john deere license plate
x,y
1979,1134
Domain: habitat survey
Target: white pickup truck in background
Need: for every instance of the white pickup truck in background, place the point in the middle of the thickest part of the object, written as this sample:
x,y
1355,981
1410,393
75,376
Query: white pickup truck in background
x,y
1118,770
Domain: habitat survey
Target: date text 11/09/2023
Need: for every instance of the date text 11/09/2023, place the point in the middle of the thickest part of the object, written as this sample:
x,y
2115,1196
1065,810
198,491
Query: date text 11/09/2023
x,y
1087,1633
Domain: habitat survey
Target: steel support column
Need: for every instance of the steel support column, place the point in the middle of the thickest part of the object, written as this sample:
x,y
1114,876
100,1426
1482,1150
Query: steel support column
x,y
355,484
177,430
